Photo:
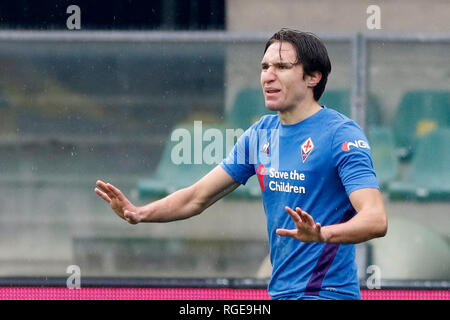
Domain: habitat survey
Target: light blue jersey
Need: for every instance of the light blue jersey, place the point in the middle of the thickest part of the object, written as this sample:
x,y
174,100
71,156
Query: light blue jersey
x,y
314,165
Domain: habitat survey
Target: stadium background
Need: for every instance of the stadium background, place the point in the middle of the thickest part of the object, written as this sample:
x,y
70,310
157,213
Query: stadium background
x,y
101,103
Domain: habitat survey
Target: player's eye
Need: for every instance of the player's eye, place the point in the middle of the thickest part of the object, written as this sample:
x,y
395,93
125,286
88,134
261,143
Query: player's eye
x,y
282,66
264,66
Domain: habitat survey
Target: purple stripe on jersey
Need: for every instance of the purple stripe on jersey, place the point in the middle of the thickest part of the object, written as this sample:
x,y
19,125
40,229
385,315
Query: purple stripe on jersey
x,y
325,260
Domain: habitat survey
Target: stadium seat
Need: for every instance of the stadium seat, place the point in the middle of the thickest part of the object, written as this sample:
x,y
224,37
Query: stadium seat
x,y
248,108
170,176
429,174
339,100
419,113
383,154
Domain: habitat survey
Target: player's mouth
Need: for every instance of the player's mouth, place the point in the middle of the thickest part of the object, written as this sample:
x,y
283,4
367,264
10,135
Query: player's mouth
x,y
271,91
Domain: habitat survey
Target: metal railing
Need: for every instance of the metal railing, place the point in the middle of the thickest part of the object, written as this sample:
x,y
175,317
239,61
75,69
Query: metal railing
x,y
358,41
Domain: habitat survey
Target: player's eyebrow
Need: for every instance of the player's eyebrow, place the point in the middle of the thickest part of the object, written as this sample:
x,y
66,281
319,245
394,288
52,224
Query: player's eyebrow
x,y
280,64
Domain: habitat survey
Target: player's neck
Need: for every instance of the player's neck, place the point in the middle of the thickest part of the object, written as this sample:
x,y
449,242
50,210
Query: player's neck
x,y
300,112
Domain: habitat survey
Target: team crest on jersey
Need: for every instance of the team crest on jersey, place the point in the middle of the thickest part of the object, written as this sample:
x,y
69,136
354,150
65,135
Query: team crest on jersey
x,y
307,147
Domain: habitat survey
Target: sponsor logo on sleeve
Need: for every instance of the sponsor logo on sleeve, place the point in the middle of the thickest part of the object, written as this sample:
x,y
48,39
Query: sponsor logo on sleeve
x,y
348,145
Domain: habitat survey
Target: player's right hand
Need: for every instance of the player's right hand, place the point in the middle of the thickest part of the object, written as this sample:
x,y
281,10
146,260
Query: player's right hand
x,y
118,202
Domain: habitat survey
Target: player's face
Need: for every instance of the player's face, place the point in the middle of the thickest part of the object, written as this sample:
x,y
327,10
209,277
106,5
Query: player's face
x,y
281,78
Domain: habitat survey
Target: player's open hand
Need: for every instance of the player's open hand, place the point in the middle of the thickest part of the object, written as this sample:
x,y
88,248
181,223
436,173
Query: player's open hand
x,y
118,202
306,229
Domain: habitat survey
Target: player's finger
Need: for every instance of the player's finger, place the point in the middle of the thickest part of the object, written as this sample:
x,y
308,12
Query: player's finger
x,y
294,215
286,232
101,185
318,226
131,217
102,195
109,191
104,187
115,191
305,216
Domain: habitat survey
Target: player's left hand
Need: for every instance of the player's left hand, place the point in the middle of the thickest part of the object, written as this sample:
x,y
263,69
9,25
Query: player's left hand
x,y
306,229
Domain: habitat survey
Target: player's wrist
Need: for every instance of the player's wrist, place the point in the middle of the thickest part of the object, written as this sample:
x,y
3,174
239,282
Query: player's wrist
x,y
141,214
325,234
146,213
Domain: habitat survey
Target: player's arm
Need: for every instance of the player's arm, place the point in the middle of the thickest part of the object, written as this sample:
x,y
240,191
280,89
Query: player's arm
x,y
181,204
369,222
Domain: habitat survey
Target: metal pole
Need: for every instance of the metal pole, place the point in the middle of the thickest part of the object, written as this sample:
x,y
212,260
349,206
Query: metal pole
x,y
359,80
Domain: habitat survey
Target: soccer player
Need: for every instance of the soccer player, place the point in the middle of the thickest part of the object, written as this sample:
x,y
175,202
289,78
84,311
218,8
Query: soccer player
x,y
314,167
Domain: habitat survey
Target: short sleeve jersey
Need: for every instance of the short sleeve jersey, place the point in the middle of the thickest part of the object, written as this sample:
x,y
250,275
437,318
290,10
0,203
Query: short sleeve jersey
x,y
315,165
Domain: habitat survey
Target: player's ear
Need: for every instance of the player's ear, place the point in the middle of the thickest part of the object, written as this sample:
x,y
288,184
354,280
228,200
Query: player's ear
x,y
314,78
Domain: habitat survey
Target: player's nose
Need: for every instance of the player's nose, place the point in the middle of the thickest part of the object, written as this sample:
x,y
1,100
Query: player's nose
x,y
268,76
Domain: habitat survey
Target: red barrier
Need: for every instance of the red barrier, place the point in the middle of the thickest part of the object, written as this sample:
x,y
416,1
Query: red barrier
x,y
59,293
